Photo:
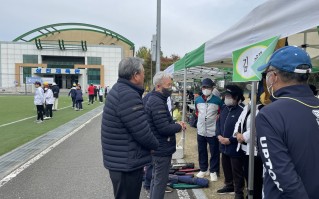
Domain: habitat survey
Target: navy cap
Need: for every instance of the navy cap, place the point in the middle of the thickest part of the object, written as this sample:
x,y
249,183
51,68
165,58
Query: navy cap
x,y
234,91
208,82
287,59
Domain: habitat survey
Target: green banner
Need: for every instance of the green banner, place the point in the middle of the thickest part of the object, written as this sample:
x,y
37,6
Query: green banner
x,y
246,60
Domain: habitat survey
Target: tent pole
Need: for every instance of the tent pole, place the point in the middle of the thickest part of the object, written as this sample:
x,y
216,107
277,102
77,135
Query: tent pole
x,y
184,111
252,141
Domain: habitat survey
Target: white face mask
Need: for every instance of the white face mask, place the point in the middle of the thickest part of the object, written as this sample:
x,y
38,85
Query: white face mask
x,y
229,102
207,92
270,87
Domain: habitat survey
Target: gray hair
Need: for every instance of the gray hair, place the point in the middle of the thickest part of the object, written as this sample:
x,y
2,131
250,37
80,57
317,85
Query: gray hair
x,y
130,66
159,76
299,78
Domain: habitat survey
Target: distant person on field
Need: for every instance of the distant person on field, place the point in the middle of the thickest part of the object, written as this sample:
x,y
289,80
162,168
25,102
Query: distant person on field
x,y
127,139
91,91
49,100
56,91
72,93
78,98
101,93
96,93
39,101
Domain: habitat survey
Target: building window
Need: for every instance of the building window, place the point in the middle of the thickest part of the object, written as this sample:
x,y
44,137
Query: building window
x,y
93,76
26,73
30,59
94,60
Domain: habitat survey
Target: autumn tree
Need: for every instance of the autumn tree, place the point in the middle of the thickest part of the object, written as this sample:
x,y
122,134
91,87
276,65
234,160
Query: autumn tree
x,y
150,67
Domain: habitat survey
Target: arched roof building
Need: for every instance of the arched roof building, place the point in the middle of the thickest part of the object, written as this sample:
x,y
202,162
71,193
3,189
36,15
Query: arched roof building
x,y
64,53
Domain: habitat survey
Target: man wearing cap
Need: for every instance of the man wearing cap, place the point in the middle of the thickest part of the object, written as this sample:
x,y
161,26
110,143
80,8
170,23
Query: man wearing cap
x,y
288,128
207,107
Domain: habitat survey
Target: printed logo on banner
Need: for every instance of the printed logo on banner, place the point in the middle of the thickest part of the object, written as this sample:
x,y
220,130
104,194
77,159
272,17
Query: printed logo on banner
x,y
48,70
246,60
58,71
77,71
68,71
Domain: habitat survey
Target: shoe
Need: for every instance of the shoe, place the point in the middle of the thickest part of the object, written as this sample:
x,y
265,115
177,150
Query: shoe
x,y
226,190
39,121
46,118
168,189
213,177
77,109
202,174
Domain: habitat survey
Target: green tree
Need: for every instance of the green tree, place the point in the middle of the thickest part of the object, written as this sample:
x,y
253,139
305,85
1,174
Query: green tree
x,y
150,67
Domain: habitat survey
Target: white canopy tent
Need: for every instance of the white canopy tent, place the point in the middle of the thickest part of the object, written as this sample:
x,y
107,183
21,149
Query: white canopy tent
x,y
295,19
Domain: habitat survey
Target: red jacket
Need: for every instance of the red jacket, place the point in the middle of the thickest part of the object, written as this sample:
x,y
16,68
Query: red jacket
x,y
91,90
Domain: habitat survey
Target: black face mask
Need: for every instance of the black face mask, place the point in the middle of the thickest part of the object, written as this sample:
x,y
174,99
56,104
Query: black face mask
x,y
167,91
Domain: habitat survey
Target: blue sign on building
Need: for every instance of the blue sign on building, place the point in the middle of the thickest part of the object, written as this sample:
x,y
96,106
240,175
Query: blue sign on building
x,y
58,71
32,80
77,71
48,70
38,70
67,71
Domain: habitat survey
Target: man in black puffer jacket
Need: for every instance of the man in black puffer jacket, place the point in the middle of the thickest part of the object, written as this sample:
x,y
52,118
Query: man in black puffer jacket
x,y
164,128
127,140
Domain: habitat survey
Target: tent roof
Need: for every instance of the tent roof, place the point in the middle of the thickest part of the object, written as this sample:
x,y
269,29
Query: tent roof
x,y
272,18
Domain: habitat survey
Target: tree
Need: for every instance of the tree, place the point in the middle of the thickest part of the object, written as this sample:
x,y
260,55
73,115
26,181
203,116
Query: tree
x,y
145,54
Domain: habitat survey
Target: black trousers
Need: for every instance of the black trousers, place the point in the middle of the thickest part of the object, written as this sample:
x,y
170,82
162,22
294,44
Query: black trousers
x,y
234,173
40,110
258,175
127,185
48,110
91,99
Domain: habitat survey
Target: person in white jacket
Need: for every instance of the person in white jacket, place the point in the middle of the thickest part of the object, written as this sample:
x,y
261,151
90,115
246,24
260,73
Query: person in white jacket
x,y
242,133
39,101
49,100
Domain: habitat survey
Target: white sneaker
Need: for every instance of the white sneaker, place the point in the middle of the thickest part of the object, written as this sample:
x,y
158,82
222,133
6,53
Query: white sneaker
x,y
202,174
46,118
213,177
39,121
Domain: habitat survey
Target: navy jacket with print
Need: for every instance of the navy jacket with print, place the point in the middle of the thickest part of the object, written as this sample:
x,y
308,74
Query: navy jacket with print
x,y
288,142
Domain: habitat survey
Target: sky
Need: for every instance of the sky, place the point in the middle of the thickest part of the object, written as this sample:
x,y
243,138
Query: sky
x,y
185,24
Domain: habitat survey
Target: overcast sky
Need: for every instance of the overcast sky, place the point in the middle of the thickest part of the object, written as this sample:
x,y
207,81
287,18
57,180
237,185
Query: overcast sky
x,y
186,24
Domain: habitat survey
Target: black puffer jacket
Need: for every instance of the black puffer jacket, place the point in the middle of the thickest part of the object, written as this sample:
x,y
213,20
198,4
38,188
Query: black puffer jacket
x,y
162,124
126,135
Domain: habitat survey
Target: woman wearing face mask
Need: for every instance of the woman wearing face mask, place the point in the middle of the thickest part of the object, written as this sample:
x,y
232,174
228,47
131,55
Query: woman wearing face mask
x,y
207,107
232,160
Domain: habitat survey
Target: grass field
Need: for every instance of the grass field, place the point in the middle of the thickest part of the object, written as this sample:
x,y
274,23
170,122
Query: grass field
x,y
20,107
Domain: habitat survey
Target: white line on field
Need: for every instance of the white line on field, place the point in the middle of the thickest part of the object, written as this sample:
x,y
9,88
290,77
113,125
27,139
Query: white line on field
x,y
26,118
37,157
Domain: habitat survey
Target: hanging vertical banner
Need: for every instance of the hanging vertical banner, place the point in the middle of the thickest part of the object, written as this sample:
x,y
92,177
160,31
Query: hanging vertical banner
x,y
246,60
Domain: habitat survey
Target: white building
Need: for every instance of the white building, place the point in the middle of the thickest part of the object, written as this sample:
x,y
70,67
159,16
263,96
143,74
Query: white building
x,y
69,53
